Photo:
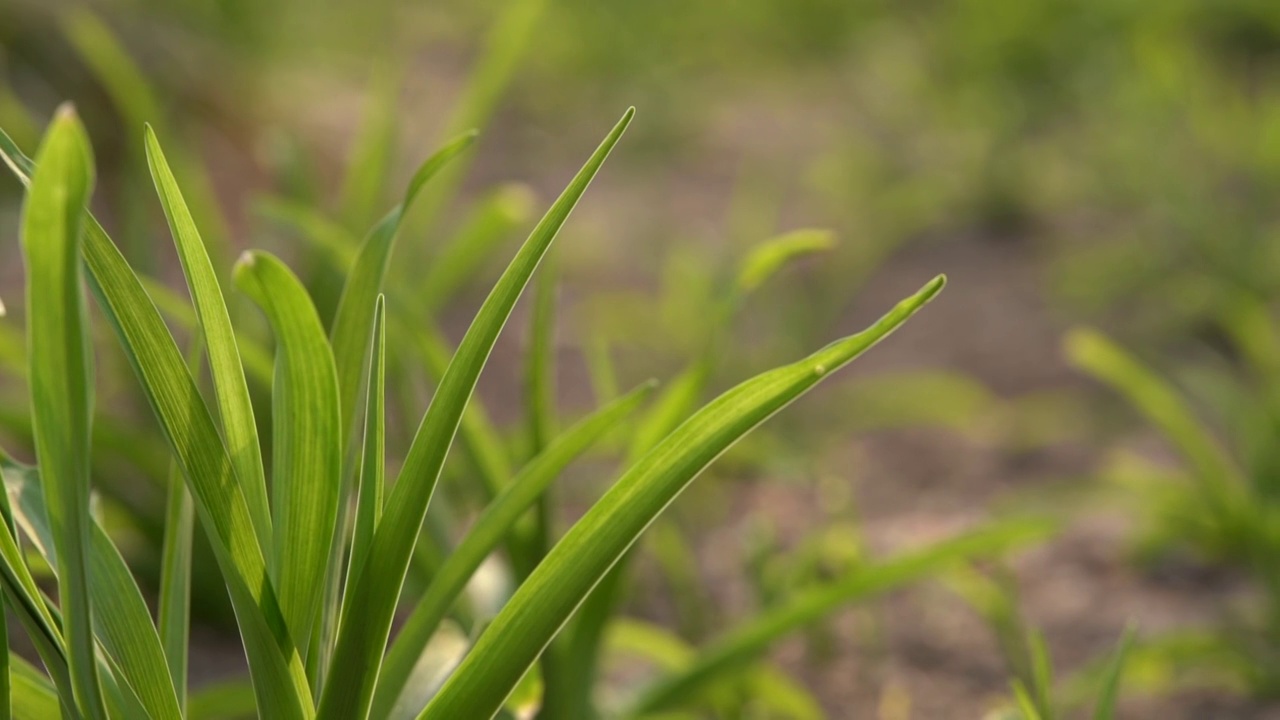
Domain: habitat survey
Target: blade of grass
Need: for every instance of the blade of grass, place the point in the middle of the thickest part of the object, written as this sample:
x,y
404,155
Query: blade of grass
x,y
1110,693
61,382
489,529
360,645
307,461
353,322
174,615
1163,407
235,409
745,644
350,336
373,466
542,605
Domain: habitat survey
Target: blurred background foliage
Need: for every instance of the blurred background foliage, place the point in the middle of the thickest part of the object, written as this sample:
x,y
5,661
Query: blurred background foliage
x,y
1114,162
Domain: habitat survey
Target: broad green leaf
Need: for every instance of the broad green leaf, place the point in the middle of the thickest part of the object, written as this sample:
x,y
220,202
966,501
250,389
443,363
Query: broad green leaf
x,y
1107,698
33,696
306,466
121,622
377,588
489,529
542,605
235,409
748,642
61,382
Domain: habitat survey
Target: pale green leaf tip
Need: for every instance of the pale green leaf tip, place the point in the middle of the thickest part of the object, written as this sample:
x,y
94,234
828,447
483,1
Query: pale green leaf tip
x,y
2,310
245,262
1081,344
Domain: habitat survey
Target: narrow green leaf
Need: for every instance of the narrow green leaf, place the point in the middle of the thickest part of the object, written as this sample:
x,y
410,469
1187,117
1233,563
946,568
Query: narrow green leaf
x,y
235,409
307,463
542,605
1164,408
377,588
353,322
174,616
373,466
122,622
1107,698
489,529
61,382
766,259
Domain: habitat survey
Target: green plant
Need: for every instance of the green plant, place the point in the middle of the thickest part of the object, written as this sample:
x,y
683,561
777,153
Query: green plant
x,y
1220,505
315,558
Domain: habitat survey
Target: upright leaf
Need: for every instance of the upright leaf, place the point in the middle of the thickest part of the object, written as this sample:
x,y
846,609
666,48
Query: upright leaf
x,y
61,378
488,530
377,587
307,463
235,409
542,605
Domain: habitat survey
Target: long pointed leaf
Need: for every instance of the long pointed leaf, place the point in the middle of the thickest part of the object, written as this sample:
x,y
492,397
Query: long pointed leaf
x,y
542,605
377,588
307,465
488,530
61,378
234,406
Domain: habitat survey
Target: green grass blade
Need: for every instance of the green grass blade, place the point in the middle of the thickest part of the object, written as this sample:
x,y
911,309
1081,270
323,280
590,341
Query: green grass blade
x,y
747,643
235,409
1110,694
1163,407
585,554
307,439
360,645
493,524
33,696
256,358
768,258
173,618
353,321
61,383
122,622
373,465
